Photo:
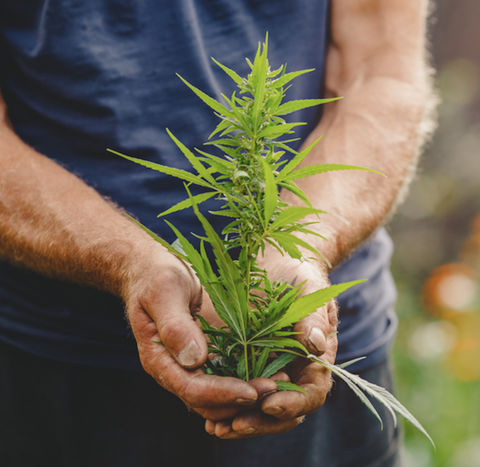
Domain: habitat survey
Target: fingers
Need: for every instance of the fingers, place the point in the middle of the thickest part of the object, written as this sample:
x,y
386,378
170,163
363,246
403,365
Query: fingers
x,y
315,379
249,425
195,388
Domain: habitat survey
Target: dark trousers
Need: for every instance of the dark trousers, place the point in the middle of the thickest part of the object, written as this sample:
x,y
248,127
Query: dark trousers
x,y
55,414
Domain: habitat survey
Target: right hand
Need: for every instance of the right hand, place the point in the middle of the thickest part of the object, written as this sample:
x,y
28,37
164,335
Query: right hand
x,y
161,296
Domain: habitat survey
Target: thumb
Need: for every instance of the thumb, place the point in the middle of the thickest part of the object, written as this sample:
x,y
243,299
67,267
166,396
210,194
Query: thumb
x,y
176,327
162,312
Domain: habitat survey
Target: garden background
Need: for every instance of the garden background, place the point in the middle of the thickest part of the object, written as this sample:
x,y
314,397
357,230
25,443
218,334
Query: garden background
x,y
437,260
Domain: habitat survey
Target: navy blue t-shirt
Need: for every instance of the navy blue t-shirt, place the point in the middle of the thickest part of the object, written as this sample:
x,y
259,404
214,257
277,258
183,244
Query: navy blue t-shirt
x,y
81,76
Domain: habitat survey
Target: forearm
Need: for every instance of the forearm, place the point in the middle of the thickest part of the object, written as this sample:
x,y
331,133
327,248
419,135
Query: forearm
x,y
380,124
52,222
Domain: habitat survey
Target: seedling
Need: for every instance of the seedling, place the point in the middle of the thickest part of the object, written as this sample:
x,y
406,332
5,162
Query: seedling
x,y
259,314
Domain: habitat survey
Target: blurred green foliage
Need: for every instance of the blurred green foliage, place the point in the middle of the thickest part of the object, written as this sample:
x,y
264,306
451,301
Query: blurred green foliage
x,y
437,270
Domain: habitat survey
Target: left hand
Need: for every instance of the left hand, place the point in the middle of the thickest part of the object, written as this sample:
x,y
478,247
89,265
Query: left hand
x,y
283,410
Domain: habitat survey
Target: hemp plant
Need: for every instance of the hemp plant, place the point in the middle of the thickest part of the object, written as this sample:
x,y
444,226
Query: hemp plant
x,y
257,339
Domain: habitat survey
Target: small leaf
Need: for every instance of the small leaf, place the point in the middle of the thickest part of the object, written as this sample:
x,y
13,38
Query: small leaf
x,y
379,393
178,173
220,108
293,106
271,191
287,386
296,160
310,170
187,203
287,77
262,360
229,72
293,214
277,364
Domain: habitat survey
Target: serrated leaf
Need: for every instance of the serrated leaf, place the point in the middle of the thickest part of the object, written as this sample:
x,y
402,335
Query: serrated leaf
x,y
229,272
277,364
310,170
220,108
262,360
293,188
187,203
178,173
241,367
287,386
208,279
229,72
274,131
296,160
280,342
271,191
293,106
379,393
196,164
305,305
287,77
293,214
258,81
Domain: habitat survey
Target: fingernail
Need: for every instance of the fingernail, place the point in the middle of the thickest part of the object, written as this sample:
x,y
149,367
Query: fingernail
x,y
317,339
275,410
247,431
189,355
242,401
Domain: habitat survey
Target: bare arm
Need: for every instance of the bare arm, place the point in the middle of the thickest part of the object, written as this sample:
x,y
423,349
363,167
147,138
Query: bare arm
x,y
52,222
376,60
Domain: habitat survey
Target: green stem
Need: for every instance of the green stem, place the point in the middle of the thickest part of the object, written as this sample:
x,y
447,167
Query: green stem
x,y
247,378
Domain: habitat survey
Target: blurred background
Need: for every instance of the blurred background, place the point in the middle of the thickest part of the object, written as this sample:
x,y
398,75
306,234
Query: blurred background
x,y
437,259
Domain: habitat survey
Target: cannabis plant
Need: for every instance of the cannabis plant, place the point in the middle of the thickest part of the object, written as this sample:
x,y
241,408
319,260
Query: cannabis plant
x,y
257,338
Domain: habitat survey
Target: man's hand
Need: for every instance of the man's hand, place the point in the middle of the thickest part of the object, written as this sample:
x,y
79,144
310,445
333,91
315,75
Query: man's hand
x,y
284,410
160,302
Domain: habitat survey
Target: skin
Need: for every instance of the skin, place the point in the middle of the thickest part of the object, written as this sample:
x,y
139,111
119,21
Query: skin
x,y
52,222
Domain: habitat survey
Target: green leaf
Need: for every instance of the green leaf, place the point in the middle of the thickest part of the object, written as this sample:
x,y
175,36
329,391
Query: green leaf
x,y
280,342
287,386
274,131
259,72
285,238
187,203
277,364
271,191
296,160
293,106
170,248
287,77
293,188
178,173
241,369
220,108
310,170
377,392
229,273
208,279
229,72
262,360
293,214
305,305
196,164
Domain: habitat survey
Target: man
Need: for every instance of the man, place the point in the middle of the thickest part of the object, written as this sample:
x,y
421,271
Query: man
x,y
77,78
